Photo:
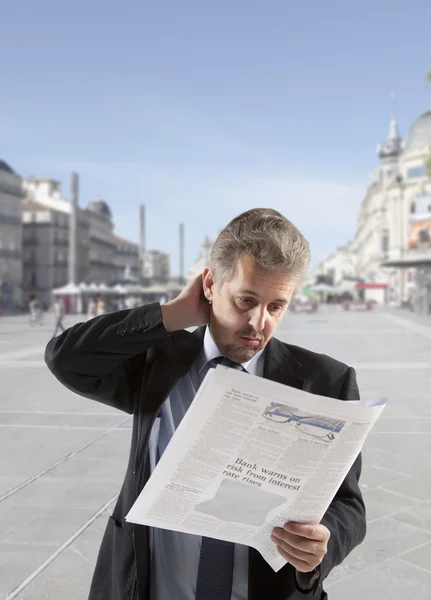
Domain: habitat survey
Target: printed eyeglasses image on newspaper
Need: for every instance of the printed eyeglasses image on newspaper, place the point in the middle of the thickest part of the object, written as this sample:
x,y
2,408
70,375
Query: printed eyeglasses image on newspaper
x,y
317,426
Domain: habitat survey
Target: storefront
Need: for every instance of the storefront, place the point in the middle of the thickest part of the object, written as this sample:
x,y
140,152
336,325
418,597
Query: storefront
x,y
420,294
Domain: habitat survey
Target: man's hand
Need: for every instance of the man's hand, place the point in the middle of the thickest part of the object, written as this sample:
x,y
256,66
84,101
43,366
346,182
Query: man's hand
x,y
302,545
189,309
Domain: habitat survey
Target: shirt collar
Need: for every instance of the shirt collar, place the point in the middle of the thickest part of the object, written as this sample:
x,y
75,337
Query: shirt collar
x,y
210,351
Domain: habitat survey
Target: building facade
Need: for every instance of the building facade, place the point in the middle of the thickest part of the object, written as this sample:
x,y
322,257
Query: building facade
x,y
126,260
11,264
156,266
101,266
46,231
46,220
203,259
46,248
380,252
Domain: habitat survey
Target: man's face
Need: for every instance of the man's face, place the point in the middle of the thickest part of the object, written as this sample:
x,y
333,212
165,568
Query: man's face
x,y
247,309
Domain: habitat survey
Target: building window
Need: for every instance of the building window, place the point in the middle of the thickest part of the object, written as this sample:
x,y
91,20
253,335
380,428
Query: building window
x,y
413,208
424,236
416,172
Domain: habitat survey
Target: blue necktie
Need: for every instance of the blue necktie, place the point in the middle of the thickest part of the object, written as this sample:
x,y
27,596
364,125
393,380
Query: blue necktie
x,y
215,573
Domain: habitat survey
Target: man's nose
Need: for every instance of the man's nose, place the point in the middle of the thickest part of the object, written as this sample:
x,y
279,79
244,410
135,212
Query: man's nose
x,y
257,318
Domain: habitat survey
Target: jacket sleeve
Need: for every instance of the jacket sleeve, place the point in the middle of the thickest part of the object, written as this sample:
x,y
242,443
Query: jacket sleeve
x,y
93,359
345,517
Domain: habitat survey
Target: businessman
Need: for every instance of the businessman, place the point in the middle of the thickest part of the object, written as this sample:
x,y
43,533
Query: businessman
x,y
145,362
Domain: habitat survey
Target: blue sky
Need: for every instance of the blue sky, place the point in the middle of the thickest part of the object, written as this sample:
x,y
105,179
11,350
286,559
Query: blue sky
x,y
200,110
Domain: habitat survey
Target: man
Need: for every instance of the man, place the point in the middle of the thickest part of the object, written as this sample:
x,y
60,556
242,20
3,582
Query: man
x,y
36,315
58,309
144,362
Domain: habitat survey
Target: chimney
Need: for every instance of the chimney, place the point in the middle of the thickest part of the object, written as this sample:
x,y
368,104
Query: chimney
x,y
73,228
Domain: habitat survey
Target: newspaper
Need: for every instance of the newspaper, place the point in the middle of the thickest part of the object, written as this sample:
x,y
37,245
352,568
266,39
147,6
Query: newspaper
x,y
251,454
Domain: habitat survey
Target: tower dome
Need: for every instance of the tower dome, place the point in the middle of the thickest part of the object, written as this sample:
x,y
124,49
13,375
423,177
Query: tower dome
x,y
5,167
100,207
420,132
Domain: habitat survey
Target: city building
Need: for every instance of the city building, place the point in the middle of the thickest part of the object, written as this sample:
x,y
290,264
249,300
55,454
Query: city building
x,y
156,266
381,254
46,223
46,240
203,258
338,266
101,267
10,239
126,260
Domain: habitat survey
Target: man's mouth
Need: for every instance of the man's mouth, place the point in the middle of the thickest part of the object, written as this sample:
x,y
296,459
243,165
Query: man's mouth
x,y
250,341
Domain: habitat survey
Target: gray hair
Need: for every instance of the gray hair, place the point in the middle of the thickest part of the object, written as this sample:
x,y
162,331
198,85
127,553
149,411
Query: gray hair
x,y
265,235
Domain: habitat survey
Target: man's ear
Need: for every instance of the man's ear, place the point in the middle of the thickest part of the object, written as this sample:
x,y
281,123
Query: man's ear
x,y
208,284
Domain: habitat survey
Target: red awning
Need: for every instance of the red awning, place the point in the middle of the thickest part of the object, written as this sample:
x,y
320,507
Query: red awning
x,y
371,286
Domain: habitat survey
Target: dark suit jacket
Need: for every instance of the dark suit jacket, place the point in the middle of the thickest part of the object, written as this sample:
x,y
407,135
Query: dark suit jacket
x,y
128,361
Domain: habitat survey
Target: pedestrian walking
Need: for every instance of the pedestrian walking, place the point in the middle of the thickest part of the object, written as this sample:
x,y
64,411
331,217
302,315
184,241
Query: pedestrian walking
x,y
58,309
36,314
91,309
100,306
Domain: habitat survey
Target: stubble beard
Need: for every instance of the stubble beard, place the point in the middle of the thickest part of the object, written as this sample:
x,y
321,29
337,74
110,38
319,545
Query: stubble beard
x,y
239,354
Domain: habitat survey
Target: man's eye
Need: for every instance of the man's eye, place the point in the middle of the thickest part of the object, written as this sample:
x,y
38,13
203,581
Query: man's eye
x,y
245,301
275,307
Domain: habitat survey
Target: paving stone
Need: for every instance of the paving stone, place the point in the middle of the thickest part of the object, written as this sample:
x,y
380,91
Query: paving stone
x,y
94,469
51,526
418,516
67,578
416,487
421,557
19,561
380,503
64,493
61,420
395,580
386,540
9,483
373,477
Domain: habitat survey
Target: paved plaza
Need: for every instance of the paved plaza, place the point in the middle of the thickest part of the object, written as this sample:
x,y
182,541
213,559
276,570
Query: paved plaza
x,y
62,460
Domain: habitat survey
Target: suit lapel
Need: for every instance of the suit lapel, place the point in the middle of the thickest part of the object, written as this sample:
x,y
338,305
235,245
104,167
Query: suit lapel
x,y
169,363
173,360
281,366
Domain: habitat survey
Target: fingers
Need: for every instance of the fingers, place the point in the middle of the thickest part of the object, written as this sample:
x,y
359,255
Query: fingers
x,y
304,546
312,532
300,565
297,542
